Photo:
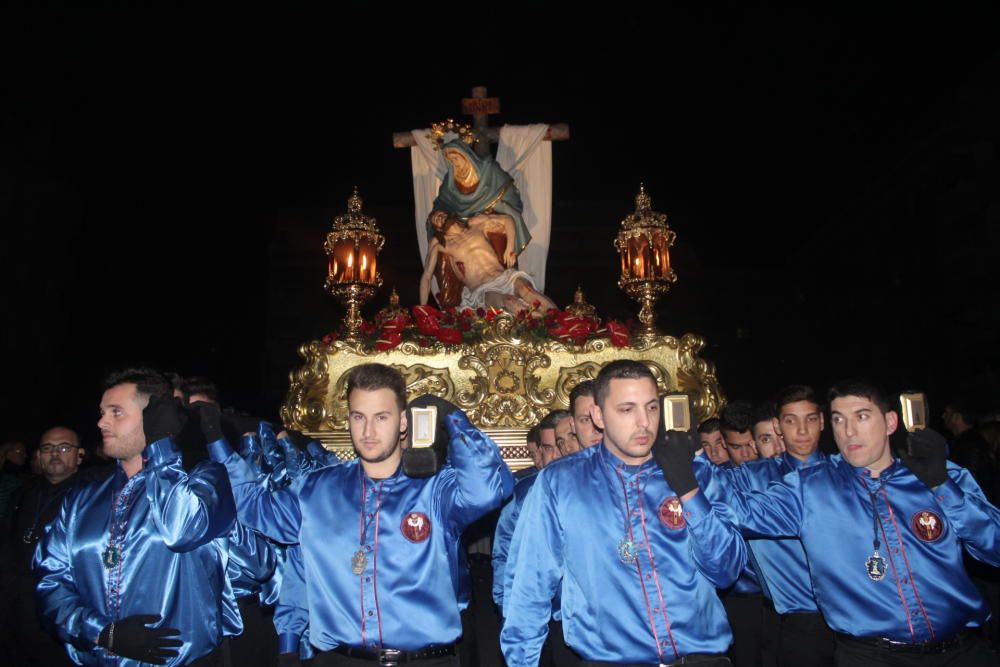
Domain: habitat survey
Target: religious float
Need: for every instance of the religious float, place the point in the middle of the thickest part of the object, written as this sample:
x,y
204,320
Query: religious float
x,y
494,344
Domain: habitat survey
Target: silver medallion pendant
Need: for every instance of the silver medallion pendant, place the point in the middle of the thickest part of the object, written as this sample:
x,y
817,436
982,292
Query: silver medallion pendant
x,y
626,551
111,556
359,561
876,567
29,536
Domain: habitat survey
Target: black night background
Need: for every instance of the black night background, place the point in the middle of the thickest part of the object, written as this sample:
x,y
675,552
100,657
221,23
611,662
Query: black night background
x,y
168,174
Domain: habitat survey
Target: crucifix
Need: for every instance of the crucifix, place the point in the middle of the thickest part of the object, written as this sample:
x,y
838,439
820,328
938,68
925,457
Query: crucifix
x,y
481,107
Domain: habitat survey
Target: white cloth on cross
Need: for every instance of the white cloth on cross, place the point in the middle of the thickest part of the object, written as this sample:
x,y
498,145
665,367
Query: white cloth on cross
x,y
527,157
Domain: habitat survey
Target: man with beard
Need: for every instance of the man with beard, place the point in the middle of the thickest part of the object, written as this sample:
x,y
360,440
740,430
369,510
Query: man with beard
x,y
380,549
58,457
130,571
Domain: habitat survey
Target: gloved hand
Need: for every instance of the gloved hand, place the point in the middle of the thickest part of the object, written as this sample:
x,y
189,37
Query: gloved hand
x,y
297,438
130,638
427,461
926,455
236,423
209,419
673,451
162,416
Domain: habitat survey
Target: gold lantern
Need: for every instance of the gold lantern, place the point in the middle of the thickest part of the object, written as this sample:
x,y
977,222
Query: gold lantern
x,y
353,246
644,242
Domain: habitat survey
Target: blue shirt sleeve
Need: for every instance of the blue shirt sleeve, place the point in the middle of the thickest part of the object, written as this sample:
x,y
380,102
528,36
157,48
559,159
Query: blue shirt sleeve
x,y
974,519
189,509
61,607
481,480
776,512
273,513
291,617
501,545
537,548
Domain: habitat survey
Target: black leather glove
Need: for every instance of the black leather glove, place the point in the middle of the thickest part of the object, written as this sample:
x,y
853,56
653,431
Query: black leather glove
x,y
673,452
163,416
130,638
289,659
298,438
427,461
209,419
235,424
926,455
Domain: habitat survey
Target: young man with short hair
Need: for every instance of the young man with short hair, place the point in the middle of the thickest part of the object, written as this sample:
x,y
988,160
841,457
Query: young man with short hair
x,y
581,401
885,538
380,549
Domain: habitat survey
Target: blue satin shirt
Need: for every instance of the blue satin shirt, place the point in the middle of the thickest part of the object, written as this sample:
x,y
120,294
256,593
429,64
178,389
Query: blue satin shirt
x,y
505,530
635,568
925,594
380,557
780,562
171,528
291,614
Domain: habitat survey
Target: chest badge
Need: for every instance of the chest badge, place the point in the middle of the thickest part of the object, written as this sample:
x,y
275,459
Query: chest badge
x,y
671,513
927,525
416,527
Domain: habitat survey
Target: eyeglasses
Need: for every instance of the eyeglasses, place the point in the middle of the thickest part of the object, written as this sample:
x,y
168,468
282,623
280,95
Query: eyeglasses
x,y
62,448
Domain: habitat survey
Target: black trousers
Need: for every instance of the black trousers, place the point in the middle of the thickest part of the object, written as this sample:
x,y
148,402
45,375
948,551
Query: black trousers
x,y
213,659
331,659
30,643
700,660
258,645
973,652
805,641
746,618
560,654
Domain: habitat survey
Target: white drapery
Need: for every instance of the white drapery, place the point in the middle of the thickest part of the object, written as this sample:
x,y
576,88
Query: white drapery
x,y
524,154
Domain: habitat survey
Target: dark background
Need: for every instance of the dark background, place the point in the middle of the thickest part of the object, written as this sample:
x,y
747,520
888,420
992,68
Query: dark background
x,y
168,174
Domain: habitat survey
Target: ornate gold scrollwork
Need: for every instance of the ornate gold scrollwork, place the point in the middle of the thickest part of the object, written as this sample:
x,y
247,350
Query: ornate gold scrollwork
x,y
504,384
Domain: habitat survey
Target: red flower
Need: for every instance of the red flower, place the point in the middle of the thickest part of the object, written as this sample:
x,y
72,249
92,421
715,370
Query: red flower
x,y
449,336
368,328
426,311
492,313
428,326
618,333
388,340
329,338
481,312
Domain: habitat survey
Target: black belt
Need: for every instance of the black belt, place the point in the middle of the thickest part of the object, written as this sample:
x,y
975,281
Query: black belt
x,y
891,645
393,656
689,659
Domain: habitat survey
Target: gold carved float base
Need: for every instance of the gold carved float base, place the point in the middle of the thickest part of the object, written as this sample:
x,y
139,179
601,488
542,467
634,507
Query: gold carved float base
x,y
504,383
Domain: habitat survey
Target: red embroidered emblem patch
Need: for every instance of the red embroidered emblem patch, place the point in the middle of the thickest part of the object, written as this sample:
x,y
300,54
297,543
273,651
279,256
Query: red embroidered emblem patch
x,y
416,527
927,525
672,513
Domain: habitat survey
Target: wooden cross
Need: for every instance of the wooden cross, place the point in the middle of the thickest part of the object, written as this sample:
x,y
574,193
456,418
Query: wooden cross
x,y
481,107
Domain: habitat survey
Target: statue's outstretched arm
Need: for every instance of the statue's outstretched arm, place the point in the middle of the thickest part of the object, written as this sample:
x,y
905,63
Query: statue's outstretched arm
x,y
429,264
509,254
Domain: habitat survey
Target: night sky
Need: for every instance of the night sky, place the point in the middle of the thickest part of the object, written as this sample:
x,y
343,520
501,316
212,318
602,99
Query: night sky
x,y
168,176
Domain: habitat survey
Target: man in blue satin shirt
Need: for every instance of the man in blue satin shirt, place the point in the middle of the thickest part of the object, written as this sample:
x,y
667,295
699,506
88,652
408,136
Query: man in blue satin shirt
x,y
796,628
129,572
380,549
884,536
621,534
